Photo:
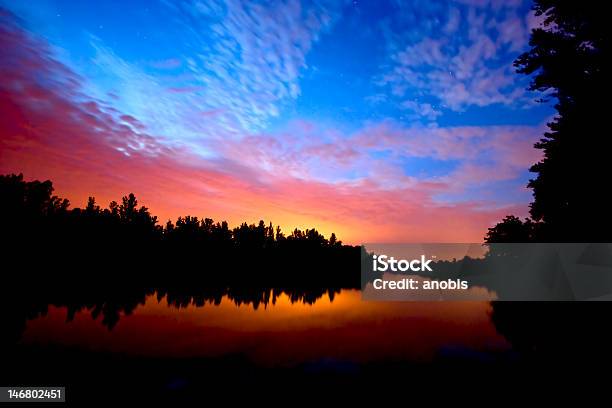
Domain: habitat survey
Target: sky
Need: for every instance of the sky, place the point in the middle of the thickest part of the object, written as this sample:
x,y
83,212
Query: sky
x,y
381,121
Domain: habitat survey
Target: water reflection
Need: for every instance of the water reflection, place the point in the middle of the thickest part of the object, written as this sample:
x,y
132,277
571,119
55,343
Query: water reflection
x,y
165,342
288,329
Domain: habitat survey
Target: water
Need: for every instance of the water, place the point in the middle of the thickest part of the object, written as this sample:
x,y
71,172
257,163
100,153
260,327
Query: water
x,y
286,332
184,344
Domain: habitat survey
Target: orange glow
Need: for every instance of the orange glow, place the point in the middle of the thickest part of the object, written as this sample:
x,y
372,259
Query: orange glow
x,y
284,333
47,131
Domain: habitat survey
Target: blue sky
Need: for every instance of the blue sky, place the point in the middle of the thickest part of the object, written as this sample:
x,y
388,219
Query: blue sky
x,y
386,95
344,72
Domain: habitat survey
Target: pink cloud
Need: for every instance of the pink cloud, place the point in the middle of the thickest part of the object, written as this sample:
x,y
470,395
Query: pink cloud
x,y
464,65
50,130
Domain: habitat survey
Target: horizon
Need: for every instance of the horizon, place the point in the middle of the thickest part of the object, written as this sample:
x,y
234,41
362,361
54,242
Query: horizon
x,y
376,121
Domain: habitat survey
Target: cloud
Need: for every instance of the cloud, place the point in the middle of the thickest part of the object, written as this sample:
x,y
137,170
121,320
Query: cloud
x,y
379,155
421,110
236,65
302,176
464,61
248,57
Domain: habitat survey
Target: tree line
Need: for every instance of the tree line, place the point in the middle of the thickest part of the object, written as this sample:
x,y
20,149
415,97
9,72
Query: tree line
x,y
30,203
42,231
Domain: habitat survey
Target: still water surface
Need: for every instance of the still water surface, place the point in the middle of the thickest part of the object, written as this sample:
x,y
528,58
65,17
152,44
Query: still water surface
x,y
287,332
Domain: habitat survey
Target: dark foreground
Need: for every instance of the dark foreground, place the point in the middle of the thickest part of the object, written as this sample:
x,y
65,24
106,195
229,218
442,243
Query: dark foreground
x,y
183,345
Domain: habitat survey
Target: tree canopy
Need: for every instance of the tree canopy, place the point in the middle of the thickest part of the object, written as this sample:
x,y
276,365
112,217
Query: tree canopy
x,y
568,62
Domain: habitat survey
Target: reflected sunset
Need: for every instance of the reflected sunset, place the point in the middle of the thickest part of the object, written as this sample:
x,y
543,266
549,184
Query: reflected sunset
x,y
283,333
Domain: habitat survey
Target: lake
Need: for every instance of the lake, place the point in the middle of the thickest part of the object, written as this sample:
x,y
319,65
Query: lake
x,y
170,345
287,332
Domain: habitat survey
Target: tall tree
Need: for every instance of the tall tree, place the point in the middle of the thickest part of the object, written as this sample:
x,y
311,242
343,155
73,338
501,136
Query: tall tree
x,y
569,61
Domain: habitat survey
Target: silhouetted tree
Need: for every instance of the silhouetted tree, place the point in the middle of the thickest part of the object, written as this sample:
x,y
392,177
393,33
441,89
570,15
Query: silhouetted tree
x,y
569,61
28,199
92,208
512,229
125,241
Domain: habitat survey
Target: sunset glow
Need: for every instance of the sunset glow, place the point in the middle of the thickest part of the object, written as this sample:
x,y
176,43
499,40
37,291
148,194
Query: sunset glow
x,y
283,333
367,119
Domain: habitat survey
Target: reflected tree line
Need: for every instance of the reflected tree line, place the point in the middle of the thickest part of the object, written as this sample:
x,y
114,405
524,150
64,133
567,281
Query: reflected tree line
x,y
110,302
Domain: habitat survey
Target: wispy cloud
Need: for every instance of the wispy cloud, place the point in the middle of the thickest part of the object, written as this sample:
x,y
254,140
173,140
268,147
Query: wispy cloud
x,y
248,55
464,60
190,133
381,154
240,60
